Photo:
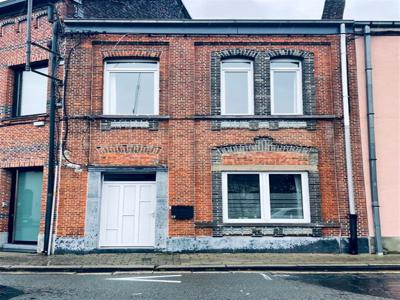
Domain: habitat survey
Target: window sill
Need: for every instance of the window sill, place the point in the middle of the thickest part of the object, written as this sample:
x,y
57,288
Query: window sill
x,y
23,119
266,117
308,225
110,122
127,117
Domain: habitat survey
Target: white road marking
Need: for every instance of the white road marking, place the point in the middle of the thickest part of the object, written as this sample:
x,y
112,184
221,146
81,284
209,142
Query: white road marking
x,y
149,279
266,277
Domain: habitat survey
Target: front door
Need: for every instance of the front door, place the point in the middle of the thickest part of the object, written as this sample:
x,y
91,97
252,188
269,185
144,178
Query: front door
x,y
127,214
27,206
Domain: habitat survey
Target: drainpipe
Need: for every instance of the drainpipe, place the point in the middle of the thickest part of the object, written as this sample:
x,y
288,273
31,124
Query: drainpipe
x,y
371,142
353,245
51,158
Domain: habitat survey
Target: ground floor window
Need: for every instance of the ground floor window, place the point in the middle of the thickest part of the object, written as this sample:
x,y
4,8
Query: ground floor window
x,y
26,208
275,197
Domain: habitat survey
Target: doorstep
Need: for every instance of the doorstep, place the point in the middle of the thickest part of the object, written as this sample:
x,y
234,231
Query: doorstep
x,y
19,248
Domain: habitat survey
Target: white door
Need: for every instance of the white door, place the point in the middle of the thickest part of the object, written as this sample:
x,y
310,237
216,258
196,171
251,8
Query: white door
x,y
127,214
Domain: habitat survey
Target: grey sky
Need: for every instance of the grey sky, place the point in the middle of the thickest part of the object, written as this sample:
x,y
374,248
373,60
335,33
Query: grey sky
x,y
290,9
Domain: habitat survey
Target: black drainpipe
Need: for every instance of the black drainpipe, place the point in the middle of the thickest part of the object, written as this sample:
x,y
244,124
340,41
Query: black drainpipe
x,y
51,158
371,142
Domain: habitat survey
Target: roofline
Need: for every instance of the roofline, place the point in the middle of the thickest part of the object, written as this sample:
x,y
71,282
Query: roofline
x,y
385,24
10,7
207,27
204,21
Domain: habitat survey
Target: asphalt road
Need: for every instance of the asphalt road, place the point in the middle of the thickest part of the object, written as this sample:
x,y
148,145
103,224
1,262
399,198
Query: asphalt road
x,y
241,285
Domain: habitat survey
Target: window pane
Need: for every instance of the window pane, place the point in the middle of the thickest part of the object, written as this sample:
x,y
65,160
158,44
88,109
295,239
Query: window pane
x,y
236,65
33,93
284,64
286,196
27,206
236,93
244,196
132,65
285,92
132,93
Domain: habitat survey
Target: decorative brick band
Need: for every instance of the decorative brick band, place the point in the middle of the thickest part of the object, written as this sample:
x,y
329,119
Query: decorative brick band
x,y
142,149
24,149
16,21
129,53
262,144
152,125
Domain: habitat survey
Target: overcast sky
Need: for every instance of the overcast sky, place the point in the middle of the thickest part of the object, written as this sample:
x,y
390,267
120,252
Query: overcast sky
x,y
364,10
361,10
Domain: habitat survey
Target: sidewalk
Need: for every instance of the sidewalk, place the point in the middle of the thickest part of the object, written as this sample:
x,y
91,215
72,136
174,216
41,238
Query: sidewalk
x,y
196,262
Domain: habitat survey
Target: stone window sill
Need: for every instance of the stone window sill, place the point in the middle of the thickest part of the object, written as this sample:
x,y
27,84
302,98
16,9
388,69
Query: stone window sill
x,y
23,119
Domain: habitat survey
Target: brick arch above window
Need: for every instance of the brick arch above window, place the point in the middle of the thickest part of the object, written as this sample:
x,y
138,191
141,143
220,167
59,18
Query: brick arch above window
x,y
308,79
262,77
260,73
264,155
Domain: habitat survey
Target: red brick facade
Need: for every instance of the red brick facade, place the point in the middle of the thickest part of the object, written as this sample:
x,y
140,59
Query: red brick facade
x,y
178,140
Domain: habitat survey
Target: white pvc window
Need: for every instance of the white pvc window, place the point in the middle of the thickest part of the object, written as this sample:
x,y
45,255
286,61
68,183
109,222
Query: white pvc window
x,y
286,87
31,92
237,87
275,197
131,88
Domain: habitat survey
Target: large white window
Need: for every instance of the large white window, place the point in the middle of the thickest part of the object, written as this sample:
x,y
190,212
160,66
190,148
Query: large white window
x,y
276,197
131,88
31,92
237,87
286,87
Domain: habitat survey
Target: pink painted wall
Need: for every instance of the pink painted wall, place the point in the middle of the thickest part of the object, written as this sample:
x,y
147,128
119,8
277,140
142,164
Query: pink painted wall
x,y
386,92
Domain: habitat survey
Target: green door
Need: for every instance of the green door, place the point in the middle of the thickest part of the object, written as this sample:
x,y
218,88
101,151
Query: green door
x,y
27,206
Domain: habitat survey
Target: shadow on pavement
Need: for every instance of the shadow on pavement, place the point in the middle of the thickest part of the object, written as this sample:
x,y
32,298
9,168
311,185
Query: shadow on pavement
x,y
9,292
386,286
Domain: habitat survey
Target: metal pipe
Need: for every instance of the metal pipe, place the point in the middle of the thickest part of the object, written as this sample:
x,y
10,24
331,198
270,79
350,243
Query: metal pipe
x,y
347,140
28,35
371,142
51,158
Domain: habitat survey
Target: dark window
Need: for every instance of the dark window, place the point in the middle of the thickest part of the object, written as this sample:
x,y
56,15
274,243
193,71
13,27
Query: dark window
x,y
130,177
244,196
286,196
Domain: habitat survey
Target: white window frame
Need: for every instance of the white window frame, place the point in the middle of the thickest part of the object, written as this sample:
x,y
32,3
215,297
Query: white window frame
x,y
299,85
250,83
265,202
108,106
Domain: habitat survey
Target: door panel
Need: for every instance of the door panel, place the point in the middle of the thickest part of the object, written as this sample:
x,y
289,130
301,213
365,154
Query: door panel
x,y
127,214
146,217
27,206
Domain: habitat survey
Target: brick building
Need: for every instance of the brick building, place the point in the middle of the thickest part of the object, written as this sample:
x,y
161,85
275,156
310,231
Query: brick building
x,y
185,135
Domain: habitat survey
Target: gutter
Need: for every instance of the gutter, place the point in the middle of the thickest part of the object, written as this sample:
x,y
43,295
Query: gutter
x,y
353,246
52,150
371,142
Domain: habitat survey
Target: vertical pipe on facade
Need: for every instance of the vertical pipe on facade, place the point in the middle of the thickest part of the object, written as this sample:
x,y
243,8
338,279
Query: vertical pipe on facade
x,y
28,36
371,142
347,136
51,158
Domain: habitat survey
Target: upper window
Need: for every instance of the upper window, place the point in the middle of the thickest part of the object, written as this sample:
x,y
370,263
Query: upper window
x,y
265,197
237,87
131,88
30,92
286,87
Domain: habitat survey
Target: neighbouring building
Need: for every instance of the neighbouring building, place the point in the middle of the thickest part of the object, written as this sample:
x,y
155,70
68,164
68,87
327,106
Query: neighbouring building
x,y
181,135
383,50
